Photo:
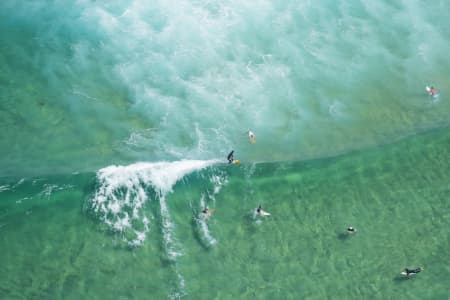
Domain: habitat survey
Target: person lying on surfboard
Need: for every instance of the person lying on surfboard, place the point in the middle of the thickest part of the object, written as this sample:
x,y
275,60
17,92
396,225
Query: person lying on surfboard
x,y
409,272
207,211
432,91
351,229
261,212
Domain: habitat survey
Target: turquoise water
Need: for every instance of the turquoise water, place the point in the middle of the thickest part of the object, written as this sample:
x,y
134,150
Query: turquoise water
x,y
117,118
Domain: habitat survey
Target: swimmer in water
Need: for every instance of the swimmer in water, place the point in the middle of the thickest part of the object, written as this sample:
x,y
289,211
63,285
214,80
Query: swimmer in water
x,y
432,91
207,212
409,272
351,230
261,212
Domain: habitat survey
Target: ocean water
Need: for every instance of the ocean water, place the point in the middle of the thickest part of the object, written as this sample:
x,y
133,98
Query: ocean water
x,y
117,117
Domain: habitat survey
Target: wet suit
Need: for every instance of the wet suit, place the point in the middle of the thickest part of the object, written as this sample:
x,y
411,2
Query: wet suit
x,y
432,91
259,209
412,271
230,157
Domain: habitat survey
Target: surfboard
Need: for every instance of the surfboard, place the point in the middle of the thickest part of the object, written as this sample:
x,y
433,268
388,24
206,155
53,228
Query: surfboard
x,y
406,274
263,213
236,161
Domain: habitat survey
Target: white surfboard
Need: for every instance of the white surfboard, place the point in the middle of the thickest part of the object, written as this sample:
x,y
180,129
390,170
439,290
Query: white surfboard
x,y
406,274
263,213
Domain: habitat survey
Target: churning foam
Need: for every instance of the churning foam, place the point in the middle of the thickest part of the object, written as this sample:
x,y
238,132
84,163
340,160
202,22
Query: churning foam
x,y
201,220
218,180
123,191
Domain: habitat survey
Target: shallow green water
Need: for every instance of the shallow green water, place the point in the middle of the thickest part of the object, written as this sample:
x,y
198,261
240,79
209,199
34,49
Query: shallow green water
x,y
116,118
395,195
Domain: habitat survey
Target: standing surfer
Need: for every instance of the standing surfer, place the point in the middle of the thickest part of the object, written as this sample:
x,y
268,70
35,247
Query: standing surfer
x,y
230,157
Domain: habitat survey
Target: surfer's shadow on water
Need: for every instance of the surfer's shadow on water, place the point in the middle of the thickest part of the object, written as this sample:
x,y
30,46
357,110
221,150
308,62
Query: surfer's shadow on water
x,y
196,232
401,278
419,100
200,229
346,235
343,236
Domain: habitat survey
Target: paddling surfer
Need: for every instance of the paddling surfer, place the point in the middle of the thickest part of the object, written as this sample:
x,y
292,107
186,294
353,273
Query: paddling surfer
x,y
409,272
351,229
432,91
261,212
207,212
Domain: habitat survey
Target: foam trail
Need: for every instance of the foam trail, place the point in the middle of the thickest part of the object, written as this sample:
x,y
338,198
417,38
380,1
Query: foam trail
x,y
50,188
4,188
218,180
201,220
167,229
122,193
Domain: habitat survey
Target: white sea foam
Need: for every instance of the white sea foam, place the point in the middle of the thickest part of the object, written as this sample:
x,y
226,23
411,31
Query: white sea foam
x,y
4,188
201,220
8,187
219,181
140,137
256,68
50,188
123,191
22,180
172,249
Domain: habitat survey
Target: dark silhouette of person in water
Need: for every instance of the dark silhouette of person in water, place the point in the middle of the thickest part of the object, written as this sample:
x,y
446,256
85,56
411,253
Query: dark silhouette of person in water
x,y
432,91
410,272
351,229
230,157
